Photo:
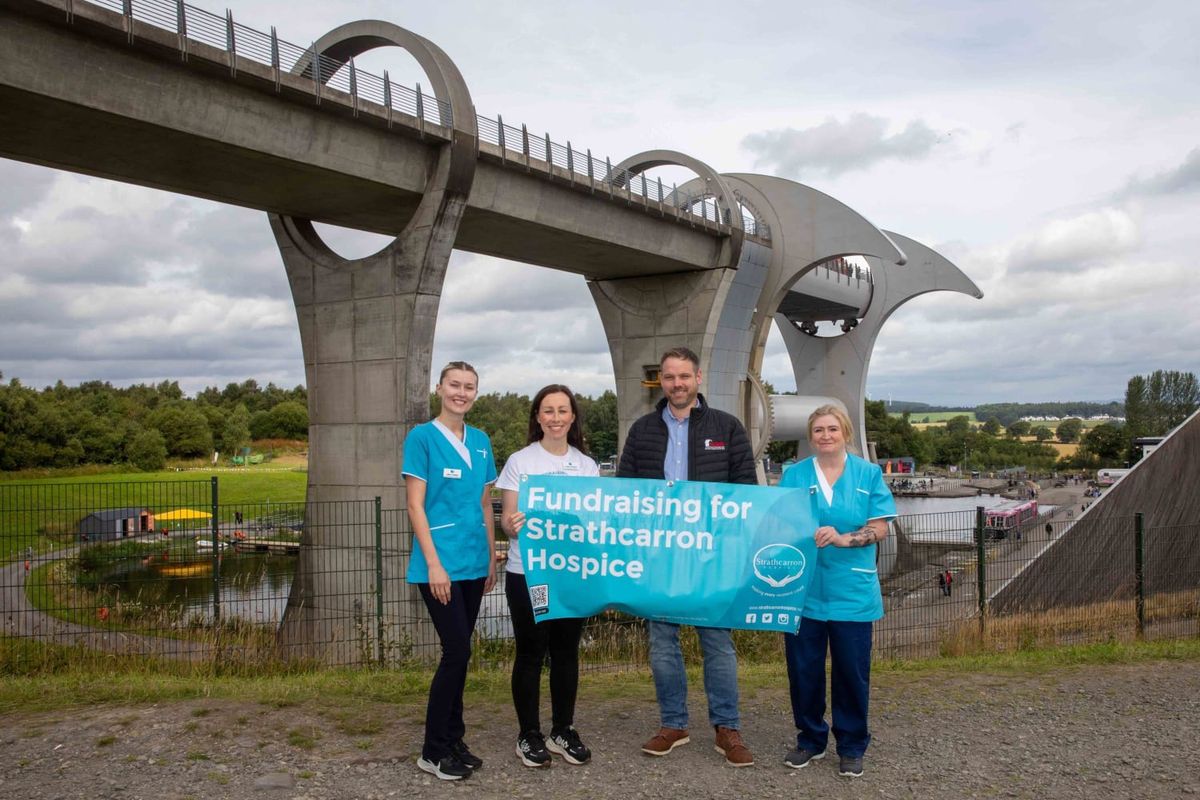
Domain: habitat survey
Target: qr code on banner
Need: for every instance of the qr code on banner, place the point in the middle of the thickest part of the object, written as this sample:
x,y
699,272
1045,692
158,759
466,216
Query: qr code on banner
x,y
539,598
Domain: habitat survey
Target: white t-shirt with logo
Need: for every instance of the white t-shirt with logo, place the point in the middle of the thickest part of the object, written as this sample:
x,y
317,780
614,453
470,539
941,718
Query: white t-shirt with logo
x,y
537,460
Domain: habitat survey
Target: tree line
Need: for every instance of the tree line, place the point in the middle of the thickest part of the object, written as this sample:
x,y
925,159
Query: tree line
x,y
1154,404
97,423
144,425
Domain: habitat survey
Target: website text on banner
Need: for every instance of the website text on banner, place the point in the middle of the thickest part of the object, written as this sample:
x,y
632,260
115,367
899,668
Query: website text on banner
x,y
719,555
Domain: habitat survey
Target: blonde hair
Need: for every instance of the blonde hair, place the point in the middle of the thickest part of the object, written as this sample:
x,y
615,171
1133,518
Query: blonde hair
x,y
830,410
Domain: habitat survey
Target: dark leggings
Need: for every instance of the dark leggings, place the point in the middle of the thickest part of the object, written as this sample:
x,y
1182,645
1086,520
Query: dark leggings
x,y
558,638
454,623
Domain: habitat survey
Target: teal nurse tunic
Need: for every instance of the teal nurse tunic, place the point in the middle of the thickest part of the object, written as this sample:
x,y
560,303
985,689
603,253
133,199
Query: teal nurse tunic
x,y
453,500
845,586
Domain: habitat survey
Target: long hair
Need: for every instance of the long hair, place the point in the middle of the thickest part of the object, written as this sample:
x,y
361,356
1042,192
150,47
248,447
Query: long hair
x,y
574,433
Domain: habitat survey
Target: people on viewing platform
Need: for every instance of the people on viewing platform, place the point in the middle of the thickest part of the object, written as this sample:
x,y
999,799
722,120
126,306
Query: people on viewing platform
x,y
448,470
555,447
685,439
852,505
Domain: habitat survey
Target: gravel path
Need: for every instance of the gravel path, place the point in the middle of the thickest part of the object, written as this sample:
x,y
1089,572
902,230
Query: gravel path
x,y
1083,732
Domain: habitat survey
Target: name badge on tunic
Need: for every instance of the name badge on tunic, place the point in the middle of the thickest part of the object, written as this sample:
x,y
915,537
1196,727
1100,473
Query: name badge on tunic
x,y
451,473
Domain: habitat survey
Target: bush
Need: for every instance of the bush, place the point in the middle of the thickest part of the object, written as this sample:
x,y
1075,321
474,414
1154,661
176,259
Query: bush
x,y
147,450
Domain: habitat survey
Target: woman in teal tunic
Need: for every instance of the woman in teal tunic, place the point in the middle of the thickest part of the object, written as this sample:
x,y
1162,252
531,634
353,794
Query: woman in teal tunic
x,y
852,504
448,471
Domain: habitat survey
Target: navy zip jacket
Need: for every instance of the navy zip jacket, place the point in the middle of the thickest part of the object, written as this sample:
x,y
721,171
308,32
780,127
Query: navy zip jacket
x,y
718,447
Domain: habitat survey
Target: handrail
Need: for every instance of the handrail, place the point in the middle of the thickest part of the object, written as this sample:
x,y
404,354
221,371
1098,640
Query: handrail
x,y
241,42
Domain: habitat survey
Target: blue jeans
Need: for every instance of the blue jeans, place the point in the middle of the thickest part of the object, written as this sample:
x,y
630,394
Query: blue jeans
x,y
849,645
670,678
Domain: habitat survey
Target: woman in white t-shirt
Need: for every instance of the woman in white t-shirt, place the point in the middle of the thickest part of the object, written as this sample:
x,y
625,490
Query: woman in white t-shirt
x,y
555,448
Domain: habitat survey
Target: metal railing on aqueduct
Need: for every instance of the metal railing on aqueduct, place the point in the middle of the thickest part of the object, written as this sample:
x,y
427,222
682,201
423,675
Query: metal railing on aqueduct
x,y
239,42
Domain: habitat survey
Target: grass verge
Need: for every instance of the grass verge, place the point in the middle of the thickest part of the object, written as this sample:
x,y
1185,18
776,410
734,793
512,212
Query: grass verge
x,y
67,683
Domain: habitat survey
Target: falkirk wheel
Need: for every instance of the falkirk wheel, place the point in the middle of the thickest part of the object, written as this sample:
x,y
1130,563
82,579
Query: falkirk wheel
x,y
367,328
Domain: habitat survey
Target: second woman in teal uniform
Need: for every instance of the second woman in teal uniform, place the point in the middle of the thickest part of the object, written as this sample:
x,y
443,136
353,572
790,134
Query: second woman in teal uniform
x,y
448,471
852,505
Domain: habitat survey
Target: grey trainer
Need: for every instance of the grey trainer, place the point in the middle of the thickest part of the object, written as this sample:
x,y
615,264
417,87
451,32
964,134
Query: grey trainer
x,y
801,758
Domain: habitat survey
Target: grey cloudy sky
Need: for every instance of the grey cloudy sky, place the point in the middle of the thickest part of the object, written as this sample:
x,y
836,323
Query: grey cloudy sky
x,y
1052,151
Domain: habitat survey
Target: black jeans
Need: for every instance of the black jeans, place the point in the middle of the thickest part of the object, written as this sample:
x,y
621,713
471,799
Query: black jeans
x,y
454,622
558,638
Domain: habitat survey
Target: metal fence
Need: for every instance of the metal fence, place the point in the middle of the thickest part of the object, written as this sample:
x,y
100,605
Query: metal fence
x,y
193,24
168,570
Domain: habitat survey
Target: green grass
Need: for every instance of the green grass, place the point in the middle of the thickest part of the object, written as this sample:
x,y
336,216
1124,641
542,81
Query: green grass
x,y
71,682
44,513
936,416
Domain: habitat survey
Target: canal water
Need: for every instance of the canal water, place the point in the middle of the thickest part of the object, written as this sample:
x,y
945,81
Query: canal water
x,y
252,587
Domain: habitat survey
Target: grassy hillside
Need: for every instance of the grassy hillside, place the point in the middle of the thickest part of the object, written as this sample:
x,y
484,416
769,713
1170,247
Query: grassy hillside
x,y
43,513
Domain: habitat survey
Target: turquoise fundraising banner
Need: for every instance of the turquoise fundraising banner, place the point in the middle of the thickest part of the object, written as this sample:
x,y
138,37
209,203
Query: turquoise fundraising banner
x,y
715,554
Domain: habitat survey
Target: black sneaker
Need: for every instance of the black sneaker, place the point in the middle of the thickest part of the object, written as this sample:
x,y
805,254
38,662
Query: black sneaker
x,y
850,767
566,742
531,748
448,769
801,758
468,759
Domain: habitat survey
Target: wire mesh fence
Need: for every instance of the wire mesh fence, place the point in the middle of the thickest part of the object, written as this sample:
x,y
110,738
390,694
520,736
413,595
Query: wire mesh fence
x,y
167,570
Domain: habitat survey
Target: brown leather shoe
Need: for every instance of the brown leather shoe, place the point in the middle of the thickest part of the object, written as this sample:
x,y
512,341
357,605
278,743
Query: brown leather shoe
x,y
730,745
666,740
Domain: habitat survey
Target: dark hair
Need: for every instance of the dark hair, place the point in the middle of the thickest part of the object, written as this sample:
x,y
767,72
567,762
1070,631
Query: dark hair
x,y
682,353
460,365
574,433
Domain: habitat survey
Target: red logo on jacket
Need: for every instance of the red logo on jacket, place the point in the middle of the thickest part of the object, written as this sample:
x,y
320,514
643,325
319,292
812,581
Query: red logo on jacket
x,y
714,444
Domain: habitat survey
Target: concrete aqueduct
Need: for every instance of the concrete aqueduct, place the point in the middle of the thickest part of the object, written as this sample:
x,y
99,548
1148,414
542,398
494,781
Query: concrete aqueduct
x,y
107,88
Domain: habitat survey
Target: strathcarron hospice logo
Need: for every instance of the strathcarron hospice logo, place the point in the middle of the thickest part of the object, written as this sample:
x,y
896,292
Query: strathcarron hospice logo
x,y
778,566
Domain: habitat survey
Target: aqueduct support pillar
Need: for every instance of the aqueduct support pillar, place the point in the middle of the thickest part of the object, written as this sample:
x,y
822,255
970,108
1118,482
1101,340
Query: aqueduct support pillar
x,y
366,328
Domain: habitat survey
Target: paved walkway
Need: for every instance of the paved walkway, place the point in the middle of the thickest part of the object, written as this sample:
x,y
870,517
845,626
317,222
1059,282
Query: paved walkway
x,y
919,614
21,619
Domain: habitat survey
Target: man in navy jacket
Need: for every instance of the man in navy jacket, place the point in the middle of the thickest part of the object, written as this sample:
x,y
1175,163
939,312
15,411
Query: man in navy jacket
x,y
685,439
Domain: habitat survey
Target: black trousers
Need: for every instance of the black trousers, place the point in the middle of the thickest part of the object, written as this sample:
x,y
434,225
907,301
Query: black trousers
x,y
454,622
556,638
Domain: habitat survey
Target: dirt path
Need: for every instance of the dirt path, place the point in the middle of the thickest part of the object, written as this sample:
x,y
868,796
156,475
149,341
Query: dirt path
x,y
1093,732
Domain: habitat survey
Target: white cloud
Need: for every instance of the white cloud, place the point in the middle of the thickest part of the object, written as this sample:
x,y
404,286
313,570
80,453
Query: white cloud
x,y
1083,268
1078,242
834,146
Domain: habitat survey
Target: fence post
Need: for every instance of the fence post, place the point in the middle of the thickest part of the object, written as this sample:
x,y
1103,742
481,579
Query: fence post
x,y
980,568
1139,572
379,577
216,553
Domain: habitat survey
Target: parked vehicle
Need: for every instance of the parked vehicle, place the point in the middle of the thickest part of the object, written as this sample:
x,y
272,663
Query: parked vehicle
x,y
1009,518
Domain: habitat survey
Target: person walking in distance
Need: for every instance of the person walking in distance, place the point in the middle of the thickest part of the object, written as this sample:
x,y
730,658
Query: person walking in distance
x,y
947,582
555,447
685,439
448,471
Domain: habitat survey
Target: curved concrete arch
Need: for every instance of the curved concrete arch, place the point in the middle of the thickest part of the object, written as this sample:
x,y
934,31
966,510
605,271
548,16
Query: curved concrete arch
x,y
727,201
651,295
454,172
808,228
929,271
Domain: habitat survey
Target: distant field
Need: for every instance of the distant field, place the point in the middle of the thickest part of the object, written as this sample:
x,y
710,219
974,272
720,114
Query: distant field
x,y
935,417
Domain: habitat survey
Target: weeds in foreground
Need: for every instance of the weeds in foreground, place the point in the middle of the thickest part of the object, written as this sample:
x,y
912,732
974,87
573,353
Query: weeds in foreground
x,y
1113,621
